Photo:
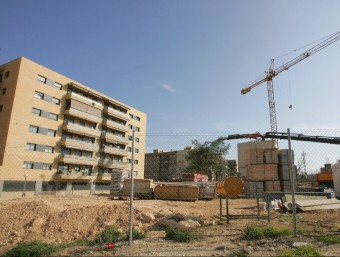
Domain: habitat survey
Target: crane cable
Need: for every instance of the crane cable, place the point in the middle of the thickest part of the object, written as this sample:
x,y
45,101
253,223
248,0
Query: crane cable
x,y
305,45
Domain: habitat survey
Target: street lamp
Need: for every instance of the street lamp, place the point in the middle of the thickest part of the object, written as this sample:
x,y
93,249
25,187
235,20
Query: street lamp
x,y
24,192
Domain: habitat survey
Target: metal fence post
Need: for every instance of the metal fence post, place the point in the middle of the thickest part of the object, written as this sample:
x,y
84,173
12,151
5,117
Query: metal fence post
x,y
292,179
132,187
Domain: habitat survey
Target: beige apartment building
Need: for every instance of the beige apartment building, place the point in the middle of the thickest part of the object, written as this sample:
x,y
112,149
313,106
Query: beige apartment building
x,y
56,132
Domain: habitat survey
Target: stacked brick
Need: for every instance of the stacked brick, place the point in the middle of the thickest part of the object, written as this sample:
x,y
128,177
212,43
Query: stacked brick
x,y
117,178
284,172
262,171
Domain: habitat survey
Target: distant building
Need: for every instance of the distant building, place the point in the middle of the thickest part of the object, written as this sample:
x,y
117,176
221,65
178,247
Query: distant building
x,y
163,165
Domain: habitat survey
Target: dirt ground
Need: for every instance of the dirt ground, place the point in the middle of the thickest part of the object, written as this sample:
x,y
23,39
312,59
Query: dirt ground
x,y
66,219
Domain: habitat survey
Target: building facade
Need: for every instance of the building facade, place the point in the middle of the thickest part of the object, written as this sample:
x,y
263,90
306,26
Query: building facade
x,y
53,128
163,165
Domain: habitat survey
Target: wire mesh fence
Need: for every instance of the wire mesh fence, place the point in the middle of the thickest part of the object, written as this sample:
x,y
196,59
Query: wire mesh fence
x,y
242,176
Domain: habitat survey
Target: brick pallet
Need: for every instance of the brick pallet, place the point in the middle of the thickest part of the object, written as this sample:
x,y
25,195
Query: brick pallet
x,y
176,191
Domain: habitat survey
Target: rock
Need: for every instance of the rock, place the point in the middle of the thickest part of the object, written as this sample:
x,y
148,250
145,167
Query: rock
x,y
178,217
163,213
188,225
272,249
106,224
198,219
37,222
167,223
221,248
146,217
298,244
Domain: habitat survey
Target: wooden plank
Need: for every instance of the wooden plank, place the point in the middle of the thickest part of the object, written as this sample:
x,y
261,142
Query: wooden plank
x,y
307,203
320,207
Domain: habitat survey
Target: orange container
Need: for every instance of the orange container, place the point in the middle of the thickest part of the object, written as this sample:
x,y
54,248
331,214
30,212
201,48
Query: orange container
x,y
324,177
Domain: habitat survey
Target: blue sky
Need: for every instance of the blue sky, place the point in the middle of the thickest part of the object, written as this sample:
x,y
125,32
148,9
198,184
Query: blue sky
x,y
185,62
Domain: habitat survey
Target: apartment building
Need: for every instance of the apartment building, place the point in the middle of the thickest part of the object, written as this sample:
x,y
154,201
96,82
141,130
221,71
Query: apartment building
x,y
164,165
54,129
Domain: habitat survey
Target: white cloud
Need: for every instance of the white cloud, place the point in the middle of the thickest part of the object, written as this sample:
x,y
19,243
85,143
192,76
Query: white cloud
x,y
168,88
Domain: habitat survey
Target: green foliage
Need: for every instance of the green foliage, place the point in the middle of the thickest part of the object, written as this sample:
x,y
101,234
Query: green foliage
x,y
329,239
256,233
209,158
172,233
240,253
32,249
304,251
136,235
109,235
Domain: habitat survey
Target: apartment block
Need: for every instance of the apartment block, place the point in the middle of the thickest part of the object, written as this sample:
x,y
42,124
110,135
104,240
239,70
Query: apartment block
x,y
54,129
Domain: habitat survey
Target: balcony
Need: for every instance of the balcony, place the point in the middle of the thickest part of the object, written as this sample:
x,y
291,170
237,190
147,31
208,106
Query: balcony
x,y
117,113
83,115
76,176
79,160
115,125
81,130
85,100
114,150
77,144
112,164
114,138
104,177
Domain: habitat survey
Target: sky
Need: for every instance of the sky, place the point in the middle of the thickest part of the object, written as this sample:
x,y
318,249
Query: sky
x,y
185,62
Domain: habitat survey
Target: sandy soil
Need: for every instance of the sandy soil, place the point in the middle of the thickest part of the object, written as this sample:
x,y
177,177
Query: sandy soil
x,y
65,219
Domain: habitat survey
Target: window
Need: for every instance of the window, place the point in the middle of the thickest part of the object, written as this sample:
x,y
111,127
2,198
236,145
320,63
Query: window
x,y
1,106
38,95
137,118
137,129
51,132
33,129
49,149
4,91
41,79
46,166
136,162
136,139
129,149
92,126
63,168
57,85
31,147
28,165
82,123
7,74
136,150
53,116
68,120
130,138
36,111
55,101
130,126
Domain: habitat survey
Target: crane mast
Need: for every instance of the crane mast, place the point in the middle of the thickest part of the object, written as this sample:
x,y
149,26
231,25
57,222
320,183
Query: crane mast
x,y
271,73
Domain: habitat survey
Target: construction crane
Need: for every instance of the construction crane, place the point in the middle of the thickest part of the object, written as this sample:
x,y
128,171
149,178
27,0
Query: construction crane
x,y
271,73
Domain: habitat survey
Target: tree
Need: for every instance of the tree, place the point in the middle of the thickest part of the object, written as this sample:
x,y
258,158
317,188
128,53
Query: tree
x,y
209,158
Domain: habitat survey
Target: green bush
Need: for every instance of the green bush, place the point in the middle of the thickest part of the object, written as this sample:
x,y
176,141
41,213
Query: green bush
x,y
304,251
240,253
272,232
172,233
32,249
329,239
136,235
256,233
109,235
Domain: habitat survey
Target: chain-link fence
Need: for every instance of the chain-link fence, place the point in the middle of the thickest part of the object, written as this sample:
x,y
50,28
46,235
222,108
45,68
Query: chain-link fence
x,y
236,177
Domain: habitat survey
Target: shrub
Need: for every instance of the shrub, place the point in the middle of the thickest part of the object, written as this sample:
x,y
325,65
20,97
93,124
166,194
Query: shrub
x,y
109,235
32,249
240,253
304,251
136,235
329,239
256,233
172,233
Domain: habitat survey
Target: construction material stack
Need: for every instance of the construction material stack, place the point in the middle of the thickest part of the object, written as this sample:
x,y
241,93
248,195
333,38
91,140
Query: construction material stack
x,y
284,171
262,171
117,178
176,191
